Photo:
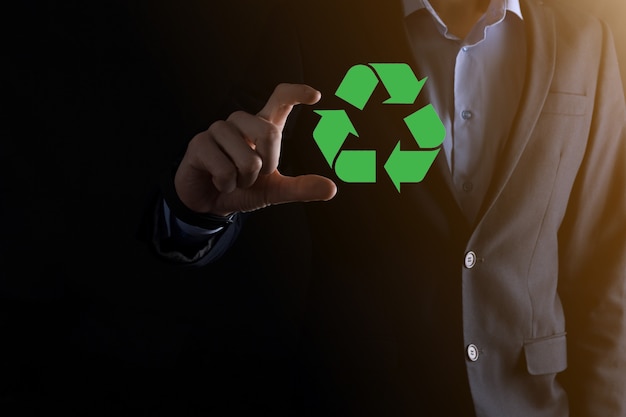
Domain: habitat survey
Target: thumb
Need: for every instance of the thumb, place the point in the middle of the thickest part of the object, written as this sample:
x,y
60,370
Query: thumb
x,y
302,188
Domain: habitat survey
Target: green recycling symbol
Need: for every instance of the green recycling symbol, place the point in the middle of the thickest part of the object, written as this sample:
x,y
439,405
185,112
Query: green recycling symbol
x,y
359,166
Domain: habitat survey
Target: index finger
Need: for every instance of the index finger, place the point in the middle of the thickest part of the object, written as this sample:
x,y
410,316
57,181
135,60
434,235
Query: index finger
x,y
282,100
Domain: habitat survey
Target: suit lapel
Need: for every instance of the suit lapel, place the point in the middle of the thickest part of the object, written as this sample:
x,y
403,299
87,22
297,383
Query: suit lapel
x,y
386,38
541,41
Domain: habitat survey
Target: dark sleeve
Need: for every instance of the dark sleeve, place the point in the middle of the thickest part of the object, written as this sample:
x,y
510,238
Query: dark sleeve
x,y
174,248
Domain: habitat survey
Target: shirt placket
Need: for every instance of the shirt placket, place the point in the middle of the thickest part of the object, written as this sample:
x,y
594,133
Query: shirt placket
x,y
468,123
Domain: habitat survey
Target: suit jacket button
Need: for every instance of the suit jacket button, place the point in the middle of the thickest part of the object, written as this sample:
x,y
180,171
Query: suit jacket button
x,y
470,259
472,352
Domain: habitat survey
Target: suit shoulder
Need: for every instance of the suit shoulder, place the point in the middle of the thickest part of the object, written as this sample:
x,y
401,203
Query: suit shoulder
x,y
572,19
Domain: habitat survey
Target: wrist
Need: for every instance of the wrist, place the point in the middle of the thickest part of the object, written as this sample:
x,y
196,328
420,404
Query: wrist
x,y
208,221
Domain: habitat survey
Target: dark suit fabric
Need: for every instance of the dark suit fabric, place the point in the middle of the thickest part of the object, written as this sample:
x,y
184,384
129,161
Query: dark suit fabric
x,y
372,285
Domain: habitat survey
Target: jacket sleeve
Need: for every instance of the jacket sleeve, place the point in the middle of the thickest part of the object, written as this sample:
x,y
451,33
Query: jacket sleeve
x,y
593,256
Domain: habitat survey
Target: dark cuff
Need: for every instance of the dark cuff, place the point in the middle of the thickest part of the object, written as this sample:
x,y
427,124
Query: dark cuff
x,y
182,212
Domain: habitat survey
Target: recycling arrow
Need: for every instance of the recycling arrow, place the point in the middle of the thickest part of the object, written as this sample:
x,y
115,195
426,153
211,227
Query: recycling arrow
x,y
356,166
409,166
426,127
356,88
331,132
361,80
400,82
428,132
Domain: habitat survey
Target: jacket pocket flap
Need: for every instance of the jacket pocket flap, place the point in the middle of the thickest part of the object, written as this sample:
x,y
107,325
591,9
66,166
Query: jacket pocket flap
x,y
565,103
546,355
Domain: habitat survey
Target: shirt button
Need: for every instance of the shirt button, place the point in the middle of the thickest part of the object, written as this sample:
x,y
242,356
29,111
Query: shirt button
x,y
468,186
472,352
465,49
466,114
470,260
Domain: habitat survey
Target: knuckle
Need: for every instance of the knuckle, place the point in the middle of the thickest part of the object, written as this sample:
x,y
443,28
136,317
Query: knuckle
x,y
282,87
303,89
197,143
223,176
251,166
237,116
224,172
272,133
218,127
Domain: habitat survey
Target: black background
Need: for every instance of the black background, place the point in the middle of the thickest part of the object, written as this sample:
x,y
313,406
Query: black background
x,y
98,98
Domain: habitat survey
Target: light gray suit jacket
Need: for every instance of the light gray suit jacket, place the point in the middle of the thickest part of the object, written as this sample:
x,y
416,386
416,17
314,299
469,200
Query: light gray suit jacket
x,y
545,305
553,231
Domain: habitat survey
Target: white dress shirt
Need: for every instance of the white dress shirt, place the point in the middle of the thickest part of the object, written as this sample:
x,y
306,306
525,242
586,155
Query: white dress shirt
x,y
474,84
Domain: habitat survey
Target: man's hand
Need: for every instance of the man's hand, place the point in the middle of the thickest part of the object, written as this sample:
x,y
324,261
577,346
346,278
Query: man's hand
x,y
232,166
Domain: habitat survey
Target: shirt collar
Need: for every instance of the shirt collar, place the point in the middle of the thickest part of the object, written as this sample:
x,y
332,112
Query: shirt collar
x,y
497,6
